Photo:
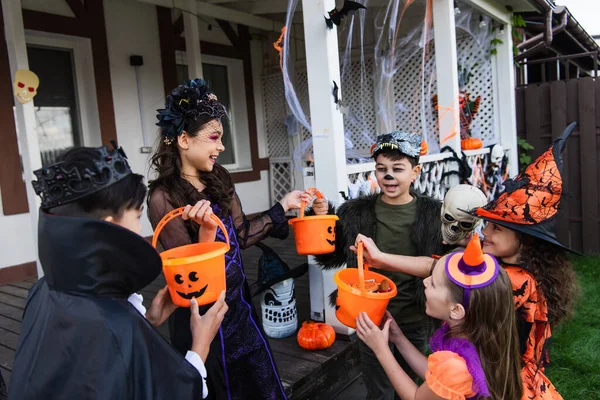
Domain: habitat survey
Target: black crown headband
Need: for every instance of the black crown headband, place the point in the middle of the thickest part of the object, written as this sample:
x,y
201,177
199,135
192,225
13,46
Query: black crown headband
x,y
187,102
59,184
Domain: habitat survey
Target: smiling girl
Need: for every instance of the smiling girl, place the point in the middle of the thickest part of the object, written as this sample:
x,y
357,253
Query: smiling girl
x,y
240,364
475,352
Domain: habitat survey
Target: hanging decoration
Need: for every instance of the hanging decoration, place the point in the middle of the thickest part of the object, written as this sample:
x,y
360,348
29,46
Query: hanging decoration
x,y
25,85
336,16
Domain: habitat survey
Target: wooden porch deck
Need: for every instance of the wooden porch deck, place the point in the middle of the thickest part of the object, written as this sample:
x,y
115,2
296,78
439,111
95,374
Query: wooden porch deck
x,y
305,374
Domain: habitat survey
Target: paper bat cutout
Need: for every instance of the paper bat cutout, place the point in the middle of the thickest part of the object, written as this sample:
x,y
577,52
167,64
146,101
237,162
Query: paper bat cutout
x,y
335,15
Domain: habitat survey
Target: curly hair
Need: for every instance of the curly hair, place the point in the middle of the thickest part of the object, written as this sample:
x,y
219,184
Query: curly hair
x,y
554,274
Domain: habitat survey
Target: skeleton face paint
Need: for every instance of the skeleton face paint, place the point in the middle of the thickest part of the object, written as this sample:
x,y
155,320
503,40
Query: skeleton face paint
x,y
456,224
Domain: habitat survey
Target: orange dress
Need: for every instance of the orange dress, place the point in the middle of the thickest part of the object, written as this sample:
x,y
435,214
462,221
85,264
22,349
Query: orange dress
x,y
534,333
448,376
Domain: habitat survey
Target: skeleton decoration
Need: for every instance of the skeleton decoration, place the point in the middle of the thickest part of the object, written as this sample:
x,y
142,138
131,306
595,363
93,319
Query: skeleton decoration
x,y
278,305
496,156
456,224
25,85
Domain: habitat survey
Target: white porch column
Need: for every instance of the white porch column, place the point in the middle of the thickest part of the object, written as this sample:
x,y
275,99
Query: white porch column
x,y
444,29
192,40
507,114
322,61
25,114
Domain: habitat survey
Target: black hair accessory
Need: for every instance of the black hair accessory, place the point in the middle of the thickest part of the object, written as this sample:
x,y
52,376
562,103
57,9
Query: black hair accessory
x,y
186,103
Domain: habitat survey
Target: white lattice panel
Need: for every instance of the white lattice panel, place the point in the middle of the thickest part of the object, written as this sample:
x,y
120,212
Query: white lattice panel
x,y
480,84
281,178
275,113
360,124
302,92
414,108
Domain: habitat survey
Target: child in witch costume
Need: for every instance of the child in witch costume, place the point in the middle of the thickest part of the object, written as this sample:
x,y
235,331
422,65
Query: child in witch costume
x,y
475,352
84,332
401,221
520,232
240,364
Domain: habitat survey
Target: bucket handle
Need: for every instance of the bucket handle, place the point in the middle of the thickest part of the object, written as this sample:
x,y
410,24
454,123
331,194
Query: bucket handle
x,y
362,267
176,213
314,192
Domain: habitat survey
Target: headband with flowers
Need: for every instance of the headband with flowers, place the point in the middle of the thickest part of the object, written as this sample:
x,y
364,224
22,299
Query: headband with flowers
x,y
188,102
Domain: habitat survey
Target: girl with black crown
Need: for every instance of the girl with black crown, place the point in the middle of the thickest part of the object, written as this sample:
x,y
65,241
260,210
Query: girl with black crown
x,y
240,363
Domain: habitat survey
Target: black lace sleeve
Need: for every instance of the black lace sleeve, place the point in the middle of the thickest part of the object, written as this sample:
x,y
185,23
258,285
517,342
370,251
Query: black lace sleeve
x,y
252,230
176,232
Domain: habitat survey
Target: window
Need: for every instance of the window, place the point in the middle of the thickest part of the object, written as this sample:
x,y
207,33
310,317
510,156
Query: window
x,y
226,79
66,107
216,76
56,109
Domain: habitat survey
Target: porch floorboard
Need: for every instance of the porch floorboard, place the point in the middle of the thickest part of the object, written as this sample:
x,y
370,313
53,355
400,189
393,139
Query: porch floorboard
x,y
304,374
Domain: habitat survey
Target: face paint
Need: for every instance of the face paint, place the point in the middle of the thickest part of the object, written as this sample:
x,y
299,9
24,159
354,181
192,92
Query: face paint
x,y
388,177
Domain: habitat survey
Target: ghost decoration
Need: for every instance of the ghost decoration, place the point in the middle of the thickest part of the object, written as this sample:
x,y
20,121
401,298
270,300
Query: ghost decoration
x,y
496,156
456,223
25,85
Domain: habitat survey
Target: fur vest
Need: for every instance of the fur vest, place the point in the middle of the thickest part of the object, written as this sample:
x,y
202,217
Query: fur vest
x,y
358,216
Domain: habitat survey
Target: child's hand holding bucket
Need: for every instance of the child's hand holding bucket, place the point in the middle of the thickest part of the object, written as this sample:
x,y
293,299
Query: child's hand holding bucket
x,y
372,255
205,327
162,307
377,339
396,333
200,213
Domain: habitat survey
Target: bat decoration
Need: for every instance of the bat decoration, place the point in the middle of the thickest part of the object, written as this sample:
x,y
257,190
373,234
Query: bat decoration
x,y
344,195
341,106
335,15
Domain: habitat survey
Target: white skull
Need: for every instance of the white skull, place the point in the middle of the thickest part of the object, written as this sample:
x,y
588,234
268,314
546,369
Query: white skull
x,y
278,306
26,84
456,224
496,155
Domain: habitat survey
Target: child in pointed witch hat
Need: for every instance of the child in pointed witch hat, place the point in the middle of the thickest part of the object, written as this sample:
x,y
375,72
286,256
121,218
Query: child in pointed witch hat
x,y
475,353
520,232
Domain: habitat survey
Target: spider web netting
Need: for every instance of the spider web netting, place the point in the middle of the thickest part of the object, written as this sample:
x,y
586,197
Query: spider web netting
x,y
388,75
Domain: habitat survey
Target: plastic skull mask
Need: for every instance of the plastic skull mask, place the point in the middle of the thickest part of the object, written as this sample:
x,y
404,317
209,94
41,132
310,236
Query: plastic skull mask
x,y
456,224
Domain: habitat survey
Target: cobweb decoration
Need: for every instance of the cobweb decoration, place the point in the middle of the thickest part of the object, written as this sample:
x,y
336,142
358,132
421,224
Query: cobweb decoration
x,y
388,81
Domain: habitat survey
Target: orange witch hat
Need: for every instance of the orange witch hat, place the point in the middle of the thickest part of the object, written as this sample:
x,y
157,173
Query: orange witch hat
x,y
472,268
530,202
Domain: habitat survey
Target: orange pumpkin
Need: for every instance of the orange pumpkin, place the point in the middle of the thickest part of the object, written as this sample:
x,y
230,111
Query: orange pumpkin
x,y
471,144
424,148
315,336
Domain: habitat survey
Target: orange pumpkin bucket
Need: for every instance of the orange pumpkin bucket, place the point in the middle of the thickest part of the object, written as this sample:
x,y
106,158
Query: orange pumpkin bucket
x,y
357,292
314,234
195,270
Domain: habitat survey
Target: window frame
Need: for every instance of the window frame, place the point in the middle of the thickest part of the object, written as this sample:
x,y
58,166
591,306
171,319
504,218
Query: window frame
x,y
238,110
84,80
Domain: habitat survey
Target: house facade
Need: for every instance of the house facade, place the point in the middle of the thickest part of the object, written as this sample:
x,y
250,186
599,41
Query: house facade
x,y
105,67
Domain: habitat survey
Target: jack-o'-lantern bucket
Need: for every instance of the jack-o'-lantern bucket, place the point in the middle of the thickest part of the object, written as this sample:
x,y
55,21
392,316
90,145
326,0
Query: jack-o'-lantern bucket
x,y
361,290
314,234
195,270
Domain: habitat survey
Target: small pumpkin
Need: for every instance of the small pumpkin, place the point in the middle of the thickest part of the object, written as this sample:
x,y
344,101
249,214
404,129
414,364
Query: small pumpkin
x,y
471,144
315,335
424,148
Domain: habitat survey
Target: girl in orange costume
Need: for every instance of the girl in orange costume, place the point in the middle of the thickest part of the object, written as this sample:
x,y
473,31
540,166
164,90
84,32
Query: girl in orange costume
x,y
521,234
475,353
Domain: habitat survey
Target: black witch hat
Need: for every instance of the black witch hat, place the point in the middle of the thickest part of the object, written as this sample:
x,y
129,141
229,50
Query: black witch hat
x,y
530,202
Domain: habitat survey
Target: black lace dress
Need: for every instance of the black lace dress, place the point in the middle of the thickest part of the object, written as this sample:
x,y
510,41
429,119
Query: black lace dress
x,y
240,364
